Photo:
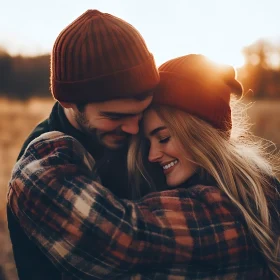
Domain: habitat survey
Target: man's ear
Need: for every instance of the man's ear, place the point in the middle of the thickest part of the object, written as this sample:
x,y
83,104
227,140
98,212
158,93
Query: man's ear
x,y
67,105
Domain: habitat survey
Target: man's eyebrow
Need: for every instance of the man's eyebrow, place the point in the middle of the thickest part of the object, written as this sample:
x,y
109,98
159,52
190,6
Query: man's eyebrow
x,y
156,130
119,115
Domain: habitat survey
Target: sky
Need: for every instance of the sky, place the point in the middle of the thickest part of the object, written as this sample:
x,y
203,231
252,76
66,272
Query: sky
x,y
216,28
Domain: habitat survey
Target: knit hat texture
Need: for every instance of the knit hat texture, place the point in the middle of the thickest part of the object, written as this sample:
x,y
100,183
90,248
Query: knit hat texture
x,y
99,57
198,86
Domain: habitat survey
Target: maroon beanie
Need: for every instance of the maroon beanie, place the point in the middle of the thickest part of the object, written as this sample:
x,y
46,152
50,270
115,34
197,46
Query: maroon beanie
x,y
200,87
99,57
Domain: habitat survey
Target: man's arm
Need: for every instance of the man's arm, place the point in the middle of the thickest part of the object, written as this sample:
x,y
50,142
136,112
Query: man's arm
x,y
88,232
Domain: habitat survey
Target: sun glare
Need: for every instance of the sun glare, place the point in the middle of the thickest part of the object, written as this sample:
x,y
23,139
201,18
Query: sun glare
x,y
236,59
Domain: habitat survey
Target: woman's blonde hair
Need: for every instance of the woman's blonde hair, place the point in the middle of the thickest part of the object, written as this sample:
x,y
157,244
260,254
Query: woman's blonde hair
x,y
239,163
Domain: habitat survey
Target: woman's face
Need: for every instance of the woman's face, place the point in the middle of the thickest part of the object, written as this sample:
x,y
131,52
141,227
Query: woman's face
x,y
176,163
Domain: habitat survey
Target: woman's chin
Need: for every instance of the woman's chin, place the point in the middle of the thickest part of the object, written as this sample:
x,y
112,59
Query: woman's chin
x,y
173,183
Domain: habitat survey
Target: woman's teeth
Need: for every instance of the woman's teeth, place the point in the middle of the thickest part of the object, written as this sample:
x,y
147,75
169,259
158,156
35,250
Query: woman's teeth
x,y
167,166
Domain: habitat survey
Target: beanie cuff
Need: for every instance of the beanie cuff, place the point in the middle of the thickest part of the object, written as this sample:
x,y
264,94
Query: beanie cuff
x,y
122,84
194,97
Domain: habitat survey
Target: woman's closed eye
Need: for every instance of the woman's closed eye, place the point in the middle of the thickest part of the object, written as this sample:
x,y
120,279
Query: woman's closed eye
x,y
164,139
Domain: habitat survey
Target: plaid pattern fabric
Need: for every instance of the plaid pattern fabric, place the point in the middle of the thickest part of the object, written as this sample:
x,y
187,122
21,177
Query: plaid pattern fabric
x,y
89,233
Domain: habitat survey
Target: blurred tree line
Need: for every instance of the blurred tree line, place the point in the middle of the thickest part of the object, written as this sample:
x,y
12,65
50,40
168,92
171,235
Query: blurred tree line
x,y
23,77
261,71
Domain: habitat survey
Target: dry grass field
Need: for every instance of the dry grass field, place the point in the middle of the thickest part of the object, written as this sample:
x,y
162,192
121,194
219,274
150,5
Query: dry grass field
x,y
17,119
265,118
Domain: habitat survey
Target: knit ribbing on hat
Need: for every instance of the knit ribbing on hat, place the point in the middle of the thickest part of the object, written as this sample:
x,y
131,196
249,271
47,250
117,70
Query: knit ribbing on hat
x,y
99,57
195,85
174,92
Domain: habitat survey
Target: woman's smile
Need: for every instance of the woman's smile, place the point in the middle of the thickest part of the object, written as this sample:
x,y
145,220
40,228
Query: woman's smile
x,y
167,168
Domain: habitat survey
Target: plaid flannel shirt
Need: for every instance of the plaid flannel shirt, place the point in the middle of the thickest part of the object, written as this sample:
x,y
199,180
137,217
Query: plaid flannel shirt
x,y
89,233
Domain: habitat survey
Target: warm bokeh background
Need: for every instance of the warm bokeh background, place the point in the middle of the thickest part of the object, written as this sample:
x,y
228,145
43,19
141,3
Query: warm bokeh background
x,y
243,33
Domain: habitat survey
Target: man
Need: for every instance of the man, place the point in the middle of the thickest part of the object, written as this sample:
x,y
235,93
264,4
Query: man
x,y
64,224
103,76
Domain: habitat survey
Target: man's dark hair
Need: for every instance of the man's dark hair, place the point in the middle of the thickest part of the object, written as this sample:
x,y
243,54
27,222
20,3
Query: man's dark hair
x,y
81,106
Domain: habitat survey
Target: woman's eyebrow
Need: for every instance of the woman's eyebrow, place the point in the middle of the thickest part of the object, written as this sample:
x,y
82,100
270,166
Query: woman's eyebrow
x,y
156,130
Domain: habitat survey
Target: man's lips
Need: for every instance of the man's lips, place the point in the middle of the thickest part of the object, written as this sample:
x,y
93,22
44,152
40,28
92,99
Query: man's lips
x,y
118,137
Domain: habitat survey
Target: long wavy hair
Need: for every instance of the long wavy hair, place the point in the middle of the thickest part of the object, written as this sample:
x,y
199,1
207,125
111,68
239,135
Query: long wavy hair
x,y
241,164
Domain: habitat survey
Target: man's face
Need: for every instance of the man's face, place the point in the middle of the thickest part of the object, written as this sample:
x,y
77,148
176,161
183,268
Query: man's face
x,y
111,122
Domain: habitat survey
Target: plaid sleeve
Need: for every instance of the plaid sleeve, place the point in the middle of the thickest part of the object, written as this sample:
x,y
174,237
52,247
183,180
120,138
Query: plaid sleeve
x,y
88,232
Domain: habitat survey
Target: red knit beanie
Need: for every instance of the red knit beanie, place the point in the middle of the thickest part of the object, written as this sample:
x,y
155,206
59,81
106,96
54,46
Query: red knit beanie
x,y
99,57
200,87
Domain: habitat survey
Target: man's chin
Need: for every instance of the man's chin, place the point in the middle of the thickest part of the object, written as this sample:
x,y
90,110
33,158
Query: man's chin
x,y
114,145
114,142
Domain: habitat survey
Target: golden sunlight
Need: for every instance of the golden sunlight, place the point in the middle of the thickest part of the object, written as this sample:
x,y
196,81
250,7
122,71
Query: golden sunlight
x,y
233,58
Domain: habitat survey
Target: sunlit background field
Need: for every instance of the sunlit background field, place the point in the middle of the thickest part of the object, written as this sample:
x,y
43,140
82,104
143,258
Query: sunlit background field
x,y
244,33
17,119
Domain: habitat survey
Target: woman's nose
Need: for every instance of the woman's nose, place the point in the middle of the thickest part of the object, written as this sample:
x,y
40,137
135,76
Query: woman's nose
x,y
154,154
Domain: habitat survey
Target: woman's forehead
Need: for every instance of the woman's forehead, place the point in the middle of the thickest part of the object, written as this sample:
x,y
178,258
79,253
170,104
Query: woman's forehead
x,y
151,121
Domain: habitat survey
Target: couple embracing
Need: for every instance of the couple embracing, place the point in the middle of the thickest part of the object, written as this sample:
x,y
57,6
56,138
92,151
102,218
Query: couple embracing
x,y
141,172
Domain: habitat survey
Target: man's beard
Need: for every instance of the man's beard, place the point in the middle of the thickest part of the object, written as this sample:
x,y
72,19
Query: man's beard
x,y
100,137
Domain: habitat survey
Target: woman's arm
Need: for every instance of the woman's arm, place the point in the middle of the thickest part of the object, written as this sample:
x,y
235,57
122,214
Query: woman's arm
x,y
88,232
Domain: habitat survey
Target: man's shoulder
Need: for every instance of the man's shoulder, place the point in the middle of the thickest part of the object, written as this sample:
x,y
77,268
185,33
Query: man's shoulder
x,y
55,147
41,128
55,141
53,136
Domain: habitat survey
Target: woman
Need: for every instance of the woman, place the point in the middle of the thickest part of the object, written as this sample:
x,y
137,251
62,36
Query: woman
x,y
190,134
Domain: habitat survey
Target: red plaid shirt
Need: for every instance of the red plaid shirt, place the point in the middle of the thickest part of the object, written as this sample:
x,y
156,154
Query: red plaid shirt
x,y
88,233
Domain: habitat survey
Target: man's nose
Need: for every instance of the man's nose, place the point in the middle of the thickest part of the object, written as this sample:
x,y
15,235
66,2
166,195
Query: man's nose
x,y
131,125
